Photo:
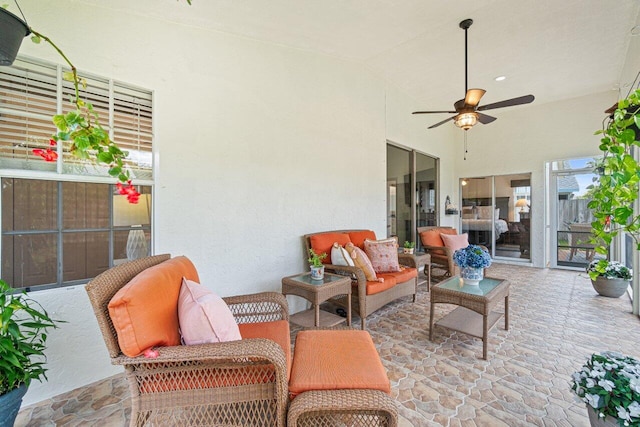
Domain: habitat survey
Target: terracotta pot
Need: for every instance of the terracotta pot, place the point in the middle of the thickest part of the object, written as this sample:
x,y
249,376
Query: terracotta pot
x,y
612,288
12,31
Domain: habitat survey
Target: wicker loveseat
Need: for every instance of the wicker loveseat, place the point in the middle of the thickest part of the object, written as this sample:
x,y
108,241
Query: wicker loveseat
x,y
366,299
242,382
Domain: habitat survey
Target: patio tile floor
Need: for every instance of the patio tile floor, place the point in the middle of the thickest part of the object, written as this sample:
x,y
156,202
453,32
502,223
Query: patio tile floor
x,y
556,321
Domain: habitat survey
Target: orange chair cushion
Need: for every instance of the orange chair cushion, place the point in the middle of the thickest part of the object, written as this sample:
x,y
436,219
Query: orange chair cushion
x,y
277,331
323,242
144,312
432,237
336,360
358,237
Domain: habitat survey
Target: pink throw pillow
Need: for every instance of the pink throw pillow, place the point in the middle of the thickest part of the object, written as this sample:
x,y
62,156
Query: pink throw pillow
x,y
383,254
455,241
204,317
362,261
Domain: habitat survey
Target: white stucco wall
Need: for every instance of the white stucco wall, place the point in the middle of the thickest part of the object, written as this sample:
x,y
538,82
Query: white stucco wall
x,y
255,145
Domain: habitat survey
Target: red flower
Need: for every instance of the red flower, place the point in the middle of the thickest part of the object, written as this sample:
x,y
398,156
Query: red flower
x,y
48,155
128,190
52,142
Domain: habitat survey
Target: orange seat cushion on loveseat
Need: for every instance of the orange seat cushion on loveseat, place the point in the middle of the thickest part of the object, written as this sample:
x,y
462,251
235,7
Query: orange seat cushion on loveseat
x,y
277,331
323,242
144,312
336,360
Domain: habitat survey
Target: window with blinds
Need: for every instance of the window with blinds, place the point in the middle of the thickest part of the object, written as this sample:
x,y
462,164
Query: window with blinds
x,y
32,92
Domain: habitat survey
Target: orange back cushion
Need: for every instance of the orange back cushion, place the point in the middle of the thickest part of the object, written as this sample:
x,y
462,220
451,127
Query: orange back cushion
x,y
358,237
432,237
323,242
145,311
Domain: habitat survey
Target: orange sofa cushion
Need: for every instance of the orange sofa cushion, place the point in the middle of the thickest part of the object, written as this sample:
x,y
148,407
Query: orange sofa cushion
x,y
377,287
336,360
433,238
323,242
277,331
358,237
145,311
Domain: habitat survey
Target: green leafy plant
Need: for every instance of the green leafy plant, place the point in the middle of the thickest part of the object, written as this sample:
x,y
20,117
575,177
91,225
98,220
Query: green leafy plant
x,y
616,187
314,259
409,245
610,383
23,327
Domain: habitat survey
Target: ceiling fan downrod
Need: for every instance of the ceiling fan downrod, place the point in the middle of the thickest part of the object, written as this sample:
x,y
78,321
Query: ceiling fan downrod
x,y
465,26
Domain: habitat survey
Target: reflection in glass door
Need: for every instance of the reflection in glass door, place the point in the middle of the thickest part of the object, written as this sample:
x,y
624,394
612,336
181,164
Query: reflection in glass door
x,y
572,216
410,205
496,214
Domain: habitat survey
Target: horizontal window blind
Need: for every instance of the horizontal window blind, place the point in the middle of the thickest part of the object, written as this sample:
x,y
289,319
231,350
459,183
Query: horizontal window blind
x,y
29,99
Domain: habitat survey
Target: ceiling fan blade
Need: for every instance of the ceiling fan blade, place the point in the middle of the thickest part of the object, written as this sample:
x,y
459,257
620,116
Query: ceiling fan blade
x,y
508,103
485,119
472,98
433,112
440,123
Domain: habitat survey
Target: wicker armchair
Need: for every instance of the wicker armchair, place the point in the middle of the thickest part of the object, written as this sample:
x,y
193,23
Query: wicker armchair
x,y
440,255
232,383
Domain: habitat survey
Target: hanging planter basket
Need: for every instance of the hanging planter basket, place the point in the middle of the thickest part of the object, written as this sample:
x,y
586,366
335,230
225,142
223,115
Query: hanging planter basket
x,y
12,31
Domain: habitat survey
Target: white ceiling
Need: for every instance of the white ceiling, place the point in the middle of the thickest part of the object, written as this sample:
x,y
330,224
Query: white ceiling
x,y
552,49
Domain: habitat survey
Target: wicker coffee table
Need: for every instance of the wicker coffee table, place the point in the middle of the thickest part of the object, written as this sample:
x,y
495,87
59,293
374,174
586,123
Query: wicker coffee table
x,y
316,292
475,315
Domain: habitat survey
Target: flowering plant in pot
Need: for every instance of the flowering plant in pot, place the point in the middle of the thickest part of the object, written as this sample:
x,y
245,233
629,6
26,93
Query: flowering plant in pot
x,y
316,265
408,247
609,383
23,335
609,278
472,260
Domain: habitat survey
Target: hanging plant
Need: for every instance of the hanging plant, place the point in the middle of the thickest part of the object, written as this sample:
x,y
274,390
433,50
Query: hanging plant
x,y
616,188
81,129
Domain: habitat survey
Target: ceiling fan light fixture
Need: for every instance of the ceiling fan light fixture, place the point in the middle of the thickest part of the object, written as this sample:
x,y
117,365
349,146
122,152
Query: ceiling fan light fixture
x,y
466,121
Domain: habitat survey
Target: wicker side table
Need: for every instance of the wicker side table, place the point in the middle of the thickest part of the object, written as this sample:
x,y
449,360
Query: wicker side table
x,y
475,315
317,292
419,260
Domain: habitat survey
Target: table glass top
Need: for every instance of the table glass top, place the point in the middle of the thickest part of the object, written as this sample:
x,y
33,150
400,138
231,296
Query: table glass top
x,y
306,278
456,283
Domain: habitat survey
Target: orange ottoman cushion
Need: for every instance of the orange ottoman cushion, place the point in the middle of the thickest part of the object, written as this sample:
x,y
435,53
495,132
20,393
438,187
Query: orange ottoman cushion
x,y
144,312
277,331
336,360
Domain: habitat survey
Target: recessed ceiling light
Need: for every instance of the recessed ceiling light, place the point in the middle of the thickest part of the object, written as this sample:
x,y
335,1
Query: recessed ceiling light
x,y
635,30
500,78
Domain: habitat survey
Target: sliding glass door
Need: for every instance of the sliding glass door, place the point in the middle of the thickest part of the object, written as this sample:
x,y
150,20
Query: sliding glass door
x,y
412,199
496,214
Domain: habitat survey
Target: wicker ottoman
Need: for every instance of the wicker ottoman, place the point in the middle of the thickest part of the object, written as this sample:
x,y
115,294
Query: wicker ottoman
x,y
337,378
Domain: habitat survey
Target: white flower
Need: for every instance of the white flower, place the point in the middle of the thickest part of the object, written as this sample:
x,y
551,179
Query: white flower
x,y
606,384
622,413
634,384
590,383
592,400
634,409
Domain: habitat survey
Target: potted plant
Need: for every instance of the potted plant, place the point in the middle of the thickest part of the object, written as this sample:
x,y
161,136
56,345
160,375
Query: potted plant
x,y
23,335
609,278
609,383
316,265
12,31
472,261
616,187
408,247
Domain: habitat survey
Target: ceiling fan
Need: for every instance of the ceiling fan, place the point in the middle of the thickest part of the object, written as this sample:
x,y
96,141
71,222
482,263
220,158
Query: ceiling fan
x,y
467,112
